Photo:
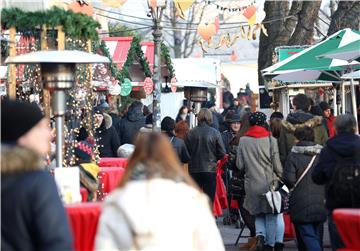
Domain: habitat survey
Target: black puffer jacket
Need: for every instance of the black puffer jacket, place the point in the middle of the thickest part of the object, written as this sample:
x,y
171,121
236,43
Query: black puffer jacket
x,y
206,147
346,145
32,214
107,137
130,125
307,201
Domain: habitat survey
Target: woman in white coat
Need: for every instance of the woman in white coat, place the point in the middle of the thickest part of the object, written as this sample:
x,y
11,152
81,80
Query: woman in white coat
x,y
157,206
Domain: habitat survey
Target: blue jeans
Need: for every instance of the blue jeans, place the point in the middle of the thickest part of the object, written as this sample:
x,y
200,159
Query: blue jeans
x,y
265,225
280,229
308,236
335,239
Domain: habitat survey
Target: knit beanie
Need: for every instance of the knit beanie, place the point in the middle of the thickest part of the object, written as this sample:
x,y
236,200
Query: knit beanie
x,y
324,105
167,124
278,115
17,118
84,150
257,118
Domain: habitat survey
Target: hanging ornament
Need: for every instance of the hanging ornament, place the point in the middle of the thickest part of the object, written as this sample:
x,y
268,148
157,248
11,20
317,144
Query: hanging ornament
x,y
234,40
182,6
217,24
222,41
264,30
126,87
81,7
148,85
233,56
250,14
228,40
114,3
206,30
209,43
201,42
242,29
173,84
249,33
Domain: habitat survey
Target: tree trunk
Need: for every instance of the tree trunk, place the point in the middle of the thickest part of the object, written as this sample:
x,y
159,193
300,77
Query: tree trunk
x,y
304,31
346,16
273,10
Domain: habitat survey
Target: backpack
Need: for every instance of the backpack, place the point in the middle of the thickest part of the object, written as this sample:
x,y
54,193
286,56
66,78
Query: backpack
x,y
344,186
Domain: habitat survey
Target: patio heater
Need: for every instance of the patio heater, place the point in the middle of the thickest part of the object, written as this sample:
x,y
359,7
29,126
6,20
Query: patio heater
x,y
58,75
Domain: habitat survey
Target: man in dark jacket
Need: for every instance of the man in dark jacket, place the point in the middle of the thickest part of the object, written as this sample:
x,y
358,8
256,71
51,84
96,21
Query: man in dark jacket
x,y
346,144
168,127
106,135
130,125
307,208
32,214
234,127
206,148
299,119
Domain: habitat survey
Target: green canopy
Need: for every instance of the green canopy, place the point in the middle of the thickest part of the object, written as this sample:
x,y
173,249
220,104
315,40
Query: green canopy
x,y
306,66
348,52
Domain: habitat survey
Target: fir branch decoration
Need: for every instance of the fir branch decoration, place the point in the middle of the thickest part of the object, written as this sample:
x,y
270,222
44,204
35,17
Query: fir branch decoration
x,y
165,55
75,25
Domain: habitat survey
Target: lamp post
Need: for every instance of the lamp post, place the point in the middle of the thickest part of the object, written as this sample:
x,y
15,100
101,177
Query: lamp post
x,y
58,75
157,7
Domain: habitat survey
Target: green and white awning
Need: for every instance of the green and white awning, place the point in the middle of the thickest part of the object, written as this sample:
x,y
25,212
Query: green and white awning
x,y
348,52
307,66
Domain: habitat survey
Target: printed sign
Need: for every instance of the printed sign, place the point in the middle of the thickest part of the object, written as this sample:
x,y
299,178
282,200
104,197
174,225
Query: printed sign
x,y
126,87
148,85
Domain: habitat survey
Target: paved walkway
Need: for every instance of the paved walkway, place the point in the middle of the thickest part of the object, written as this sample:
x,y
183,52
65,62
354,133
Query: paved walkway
x,y
230,233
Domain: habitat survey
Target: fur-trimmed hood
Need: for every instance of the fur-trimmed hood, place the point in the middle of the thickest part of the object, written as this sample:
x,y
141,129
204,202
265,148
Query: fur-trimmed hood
x,y
301,119
107,122
16,159
308,149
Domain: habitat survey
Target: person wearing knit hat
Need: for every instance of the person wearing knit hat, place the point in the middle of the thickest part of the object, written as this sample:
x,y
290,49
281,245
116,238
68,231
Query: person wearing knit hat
x,y
168,127
328,117
30,203
258,157
278,115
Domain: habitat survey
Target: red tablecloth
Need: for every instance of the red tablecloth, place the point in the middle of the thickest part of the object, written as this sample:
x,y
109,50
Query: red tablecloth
x,y
84,194
83,218
348,224
109,178
113,162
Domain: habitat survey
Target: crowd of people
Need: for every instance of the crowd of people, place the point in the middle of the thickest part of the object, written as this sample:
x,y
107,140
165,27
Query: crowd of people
x,y
309,151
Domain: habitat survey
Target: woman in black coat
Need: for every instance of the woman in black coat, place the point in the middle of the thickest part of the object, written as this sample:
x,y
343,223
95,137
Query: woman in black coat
x,y
307,208
106,135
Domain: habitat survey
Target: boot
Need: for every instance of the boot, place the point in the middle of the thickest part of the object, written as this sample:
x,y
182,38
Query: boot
x,y
250,245
260,243
268,248
279,246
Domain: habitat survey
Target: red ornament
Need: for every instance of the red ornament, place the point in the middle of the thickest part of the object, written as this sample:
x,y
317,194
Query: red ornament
x,y
217,24
173,86
148,85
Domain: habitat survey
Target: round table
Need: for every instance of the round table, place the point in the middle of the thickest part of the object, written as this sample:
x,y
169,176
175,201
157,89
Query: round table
x,y
113,162
348,224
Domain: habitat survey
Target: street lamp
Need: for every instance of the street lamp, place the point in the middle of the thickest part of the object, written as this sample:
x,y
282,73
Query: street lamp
x,y
156,8
58,75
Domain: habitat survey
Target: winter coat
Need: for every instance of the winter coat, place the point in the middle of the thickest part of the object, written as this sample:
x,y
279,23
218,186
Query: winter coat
x,y
253,155
165,215
206,147
345,145
180,148
227,136
295,120
179,118
32,214
107,137
130,125
307,201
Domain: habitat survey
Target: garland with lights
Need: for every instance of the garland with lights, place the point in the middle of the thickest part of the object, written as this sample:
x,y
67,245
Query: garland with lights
x,y
165,55
74,25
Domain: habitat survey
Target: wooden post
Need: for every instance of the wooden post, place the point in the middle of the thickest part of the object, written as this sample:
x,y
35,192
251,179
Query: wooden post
x,y
60,38
89,76
46,93
12,67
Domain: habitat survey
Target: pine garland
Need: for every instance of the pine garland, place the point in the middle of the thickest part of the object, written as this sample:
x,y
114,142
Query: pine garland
x,y
75,25
166,56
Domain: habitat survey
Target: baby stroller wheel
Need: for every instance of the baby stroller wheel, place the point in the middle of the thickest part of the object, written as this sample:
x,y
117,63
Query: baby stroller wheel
x,y
227,220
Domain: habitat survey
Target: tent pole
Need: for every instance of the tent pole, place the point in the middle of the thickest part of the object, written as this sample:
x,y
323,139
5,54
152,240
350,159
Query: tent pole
x,y
335,102
343,98
353,102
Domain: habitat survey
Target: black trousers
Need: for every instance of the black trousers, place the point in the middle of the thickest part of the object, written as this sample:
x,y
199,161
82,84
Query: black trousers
x,y
207,182
249,219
